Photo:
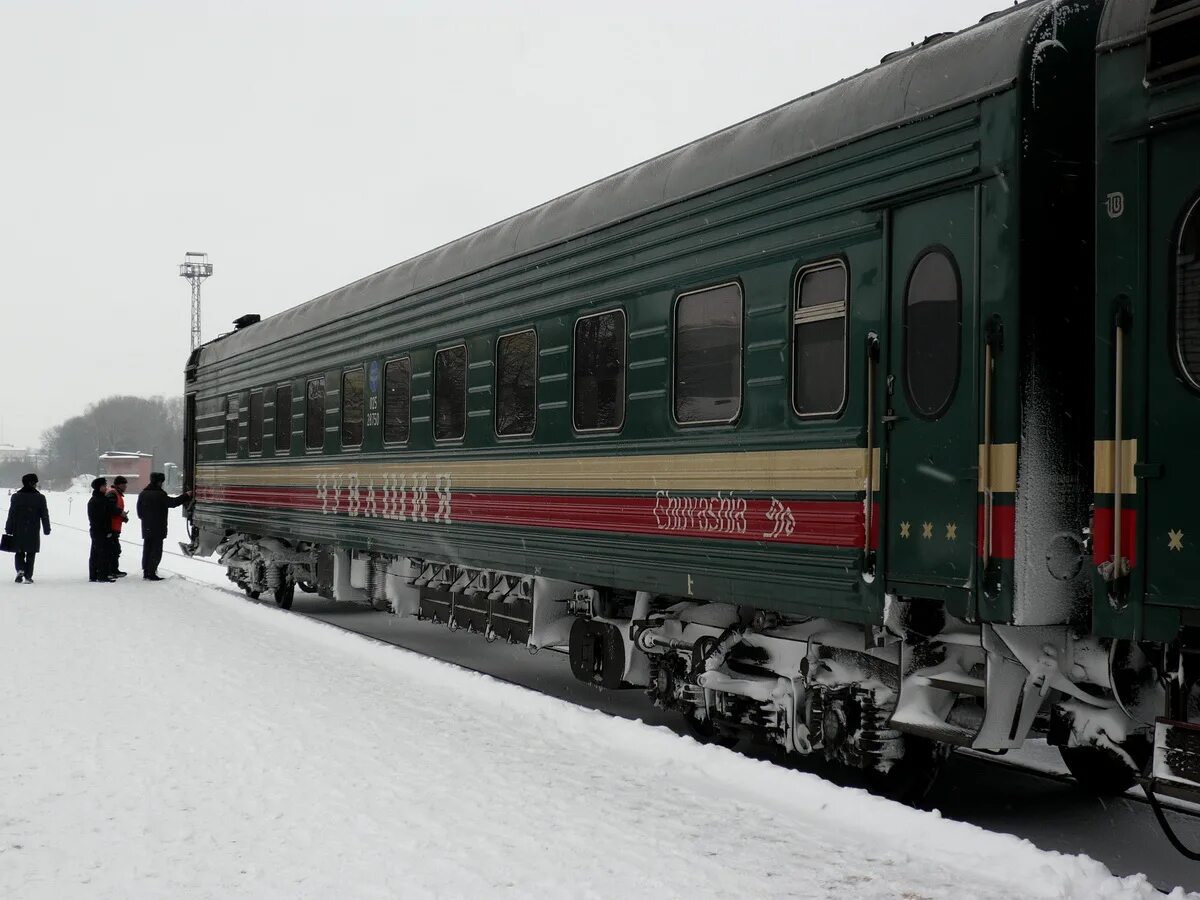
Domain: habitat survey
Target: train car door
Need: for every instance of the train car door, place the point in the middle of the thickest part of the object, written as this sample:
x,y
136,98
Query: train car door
x,y
189,442
930,405
1167,462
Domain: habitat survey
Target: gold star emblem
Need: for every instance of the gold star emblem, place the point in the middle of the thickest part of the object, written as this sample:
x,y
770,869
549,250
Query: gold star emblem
x,y
952,531
1176,540
904,528
927,530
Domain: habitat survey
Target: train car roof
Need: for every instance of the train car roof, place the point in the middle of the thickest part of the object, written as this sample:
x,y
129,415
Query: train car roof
x,y
1123,22
939,74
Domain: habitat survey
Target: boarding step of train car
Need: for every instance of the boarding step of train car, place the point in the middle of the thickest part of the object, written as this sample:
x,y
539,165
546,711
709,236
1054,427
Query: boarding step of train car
x,y
820,430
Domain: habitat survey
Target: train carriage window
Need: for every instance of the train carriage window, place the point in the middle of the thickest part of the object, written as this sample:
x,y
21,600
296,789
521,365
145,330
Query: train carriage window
x,y
708,355
314,414
516,383
231,424
397,400
1187,297
255,429
450,393
932,332
283,419
353,390
819,340
598,372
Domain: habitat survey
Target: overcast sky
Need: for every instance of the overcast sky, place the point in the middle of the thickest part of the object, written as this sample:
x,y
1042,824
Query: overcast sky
x,y
304,145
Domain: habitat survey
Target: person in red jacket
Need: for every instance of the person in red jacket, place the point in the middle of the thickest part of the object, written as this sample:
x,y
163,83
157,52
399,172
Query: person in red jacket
x,y
119,518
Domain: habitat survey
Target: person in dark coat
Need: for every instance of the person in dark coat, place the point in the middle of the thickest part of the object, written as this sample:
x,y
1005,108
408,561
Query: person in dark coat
x,y
116,496
152,505
26,511
100,511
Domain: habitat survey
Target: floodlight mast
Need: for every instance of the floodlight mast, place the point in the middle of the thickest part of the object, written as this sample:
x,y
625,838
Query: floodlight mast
x,y
195,268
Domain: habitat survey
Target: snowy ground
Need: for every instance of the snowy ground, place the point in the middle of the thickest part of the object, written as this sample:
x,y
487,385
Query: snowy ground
x,y
171,740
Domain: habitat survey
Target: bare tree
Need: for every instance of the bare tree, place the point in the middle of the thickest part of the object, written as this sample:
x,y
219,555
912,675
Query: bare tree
x,y
146,424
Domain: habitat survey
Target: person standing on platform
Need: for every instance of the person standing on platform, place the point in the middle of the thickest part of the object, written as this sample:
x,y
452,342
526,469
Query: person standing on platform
x,y
99,510
119,517
26,511
152,505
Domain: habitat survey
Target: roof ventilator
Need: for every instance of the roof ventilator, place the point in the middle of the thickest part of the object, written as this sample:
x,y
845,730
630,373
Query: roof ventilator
x,y
246,321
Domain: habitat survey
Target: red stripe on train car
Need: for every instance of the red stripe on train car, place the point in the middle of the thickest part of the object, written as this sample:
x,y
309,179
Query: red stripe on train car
x,y
1004,531
1102,535
824,523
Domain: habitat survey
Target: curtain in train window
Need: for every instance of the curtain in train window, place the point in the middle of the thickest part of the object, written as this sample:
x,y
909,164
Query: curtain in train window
x,y
397,398
1187,297
314,414
932,333
819,340
231,424
708,355
598,372
450,394
516,383
283,420
353,388
255,425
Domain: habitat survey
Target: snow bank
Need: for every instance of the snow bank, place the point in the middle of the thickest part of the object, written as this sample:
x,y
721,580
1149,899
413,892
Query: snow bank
x,y
162,740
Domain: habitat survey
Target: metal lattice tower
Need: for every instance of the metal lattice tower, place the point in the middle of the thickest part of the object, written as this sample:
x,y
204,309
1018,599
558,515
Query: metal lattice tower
x,y
195,268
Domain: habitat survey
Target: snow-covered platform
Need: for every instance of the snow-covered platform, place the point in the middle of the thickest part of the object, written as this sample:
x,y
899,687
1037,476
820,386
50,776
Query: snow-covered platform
x,y
172,740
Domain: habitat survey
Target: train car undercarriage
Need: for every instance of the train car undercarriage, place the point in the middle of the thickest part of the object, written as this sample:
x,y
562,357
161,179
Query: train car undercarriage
x,y
887,699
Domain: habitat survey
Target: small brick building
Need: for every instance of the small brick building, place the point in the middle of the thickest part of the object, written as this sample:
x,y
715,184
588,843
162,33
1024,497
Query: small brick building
x,y
136,467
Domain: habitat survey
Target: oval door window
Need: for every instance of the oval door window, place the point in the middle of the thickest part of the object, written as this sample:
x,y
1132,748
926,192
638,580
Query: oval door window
x,y
1187,297
932,332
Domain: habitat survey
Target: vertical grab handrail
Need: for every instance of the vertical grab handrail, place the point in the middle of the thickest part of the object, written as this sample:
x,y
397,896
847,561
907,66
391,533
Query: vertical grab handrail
x,y
872,370
985,473
1118,462
993,343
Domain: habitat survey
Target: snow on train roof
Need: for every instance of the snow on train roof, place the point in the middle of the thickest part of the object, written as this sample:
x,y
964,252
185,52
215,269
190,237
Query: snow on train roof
x,y
1123,21
908,85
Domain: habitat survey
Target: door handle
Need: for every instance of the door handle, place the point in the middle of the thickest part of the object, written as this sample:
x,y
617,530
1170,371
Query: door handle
x,y
890,419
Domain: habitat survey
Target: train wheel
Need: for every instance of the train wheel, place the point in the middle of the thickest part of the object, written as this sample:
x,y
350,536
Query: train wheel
x,y
253,595
285,593
703,730
309,587
1104,771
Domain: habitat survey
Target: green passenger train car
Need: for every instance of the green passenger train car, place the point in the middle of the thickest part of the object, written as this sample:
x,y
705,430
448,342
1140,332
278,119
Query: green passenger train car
x,y
794,427
1147,398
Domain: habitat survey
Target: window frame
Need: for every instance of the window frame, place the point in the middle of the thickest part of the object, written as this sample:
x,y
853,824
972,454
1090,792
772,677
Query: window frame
x,y
832,262
250,421
434,391
532,329
350,370
320,448
236,398
948,254
1191,210
741,396
612,429
288,446
384,423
